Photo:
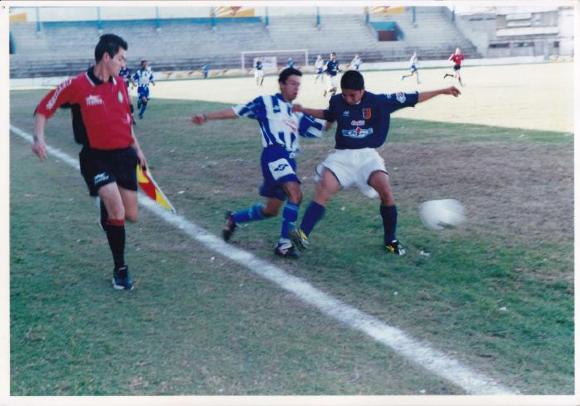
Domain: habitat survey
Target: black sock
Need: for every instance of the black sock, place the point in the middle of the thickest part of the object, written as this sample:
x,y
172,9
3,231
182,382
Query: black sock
x,y
389,215
115,230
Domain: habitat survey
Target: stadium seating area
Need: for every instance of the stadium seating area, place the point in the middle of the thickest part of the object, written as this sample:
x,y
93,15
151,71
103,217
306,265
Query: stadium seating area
x,y
62,48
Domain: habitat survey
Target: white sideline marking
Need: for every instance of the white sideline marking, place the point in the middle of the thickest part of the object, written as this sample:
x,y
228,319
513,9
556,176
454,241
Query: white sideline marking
x,y
420,353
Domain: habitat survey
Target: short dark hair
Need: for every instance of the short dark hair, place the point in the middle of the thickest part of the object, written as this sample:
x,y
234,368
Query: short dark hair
x,y
109,43
286,73
353,80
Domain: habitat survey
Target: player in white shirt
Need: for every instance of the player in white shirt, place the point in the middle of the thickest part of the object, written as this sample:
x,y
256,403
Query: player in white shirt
x,y
413,67
355,63
319,68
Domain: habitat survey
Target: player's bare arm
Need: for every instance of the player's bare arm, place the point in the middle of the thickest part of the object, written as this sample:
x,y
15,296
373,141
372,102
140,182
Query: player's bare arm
x,y
424,96
316,113
39,145
214,115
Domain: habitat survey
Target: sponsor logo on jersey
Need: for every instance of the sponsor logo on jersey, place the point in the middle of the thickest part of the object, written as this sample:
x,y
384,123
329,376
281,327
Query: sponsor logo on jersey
x,y
120,96
367,113
356,123
346,113
93,100
357,133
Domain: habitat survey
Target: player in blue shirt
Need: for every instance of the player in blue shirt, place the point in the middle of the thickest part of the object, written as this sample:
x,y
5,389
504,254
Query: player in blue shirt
x,y
290,63
143,77
331,69
280,127
362,125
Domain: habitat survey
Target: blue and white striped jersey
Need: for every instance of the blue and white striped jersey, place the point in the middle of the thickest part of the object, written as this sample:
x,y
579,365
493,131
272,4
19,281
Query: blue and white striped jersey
x,y
278,124
143,77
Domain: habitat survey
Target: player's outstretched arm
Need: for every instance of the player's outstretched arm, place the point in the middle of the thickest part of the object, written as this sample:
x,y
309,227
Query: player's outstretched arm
x,y
214,115
316,113
39,145
424,96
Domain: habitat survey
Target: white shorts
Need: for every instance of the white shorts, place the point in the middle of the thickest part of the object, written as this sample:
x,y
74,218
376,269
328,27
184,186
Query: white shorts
x,y
354,167
258,74
331,81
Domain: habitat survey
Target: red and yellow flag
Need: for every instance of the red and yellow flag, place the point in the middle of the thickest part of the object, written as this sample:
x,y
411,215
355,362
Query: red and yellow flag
x,y
150,188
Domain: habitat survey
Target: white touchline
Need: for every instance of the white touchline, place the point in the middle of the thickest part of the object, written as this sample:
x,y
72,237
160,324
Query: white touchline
x,y
420,353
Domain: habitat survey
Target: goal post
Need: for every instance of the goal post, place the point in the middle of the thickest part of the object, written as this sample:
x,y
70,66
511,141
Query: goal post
x,y
273,60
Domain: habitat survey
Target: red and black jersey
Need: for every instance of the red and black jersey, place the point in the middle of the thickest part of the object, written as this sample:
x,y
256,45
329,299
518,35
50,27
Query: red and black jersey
x,y
101,111
457,58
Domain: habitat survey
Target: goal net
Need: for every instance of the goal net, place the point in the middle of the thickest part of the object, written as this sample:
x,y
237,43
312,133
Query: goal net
x,y
273,61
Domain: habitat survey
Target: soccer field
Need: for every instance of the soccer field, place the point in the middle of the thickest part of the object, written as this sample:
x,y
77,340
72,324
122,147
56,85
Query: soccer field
x,y
495,294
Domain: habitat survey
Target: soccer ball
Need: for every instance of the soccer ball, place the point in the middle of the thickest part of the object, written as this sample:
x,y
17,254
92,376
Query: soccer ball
x,y
441,214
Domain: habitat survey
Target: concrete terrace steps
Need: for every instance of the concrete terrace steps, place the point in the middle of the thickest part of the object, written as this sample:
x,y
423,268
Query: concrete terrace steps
x,y
181,45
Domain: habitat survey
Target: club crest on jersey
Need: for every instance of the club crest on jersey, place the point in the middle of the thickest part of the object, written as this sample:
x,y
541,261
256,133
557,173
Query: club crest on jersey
x,y
401,98
120,96
94,100
367,113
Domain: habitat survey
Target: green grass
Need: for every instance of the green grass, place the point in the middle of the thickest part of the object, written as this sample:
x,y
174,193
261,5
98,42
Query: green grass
x,y
236,334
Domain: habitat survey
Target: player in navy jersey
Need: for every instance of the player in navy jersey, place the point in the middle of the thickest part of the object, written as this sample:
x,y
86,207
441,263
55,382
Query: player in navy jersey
x,y
290,63
331,70
280,127
362,126
108,161
259,72
143,77
125,74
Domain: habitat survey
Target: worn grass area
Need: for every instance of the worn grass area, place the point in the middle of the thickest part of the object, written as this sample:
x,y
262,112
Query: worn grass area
x,y
496,293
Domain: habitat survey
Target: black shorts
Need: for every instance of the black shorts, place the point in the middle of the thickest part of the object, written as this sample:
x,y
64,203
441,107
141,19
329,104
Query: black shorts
x,y
100,168
456,67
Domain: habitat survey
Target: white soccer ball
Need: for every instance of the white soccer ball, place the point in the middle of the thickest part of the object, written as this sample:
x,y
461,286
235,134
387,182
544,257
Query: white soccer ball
x,y
442,214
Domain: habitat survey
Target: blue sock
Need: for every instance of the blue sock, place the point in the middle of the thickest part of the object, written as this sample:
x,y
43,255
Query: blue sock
x,y
252,214
313,214
289,217
143,107
389,215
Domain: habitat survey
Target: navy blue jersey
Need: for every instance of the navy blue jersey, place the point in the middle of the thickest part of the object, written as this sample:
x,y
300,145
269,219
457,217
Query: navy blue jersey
x,y
258,65
365,125
125,73
332,67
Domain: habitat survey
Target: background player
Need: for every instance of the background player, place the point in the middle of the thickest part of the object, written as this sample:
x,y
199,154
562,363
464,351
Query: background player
x,y
356,63
110,153
331,70
319,68
259,72
413,68
125,74
279,126
362,126
457,57
143,77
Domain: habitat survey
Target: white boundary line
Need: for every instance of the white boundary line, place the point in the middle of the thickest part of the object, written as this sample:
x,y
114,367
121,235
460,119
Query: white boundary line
x,y
420,353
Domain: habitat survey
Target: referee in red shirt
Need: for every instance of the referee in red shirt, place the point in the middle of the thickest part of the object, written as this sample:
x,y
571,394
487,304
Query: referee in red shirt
x,y
101,114
457,57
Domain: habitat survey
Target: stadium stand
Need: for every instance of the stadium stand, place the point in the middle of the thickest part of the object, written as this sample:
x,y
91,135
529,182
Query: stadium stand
x,y
63,48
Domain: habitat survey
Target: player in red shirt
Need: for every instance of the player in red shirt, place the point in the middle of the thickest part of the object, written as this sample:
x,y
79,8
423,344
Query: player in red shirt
x,y
457,57
102,124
